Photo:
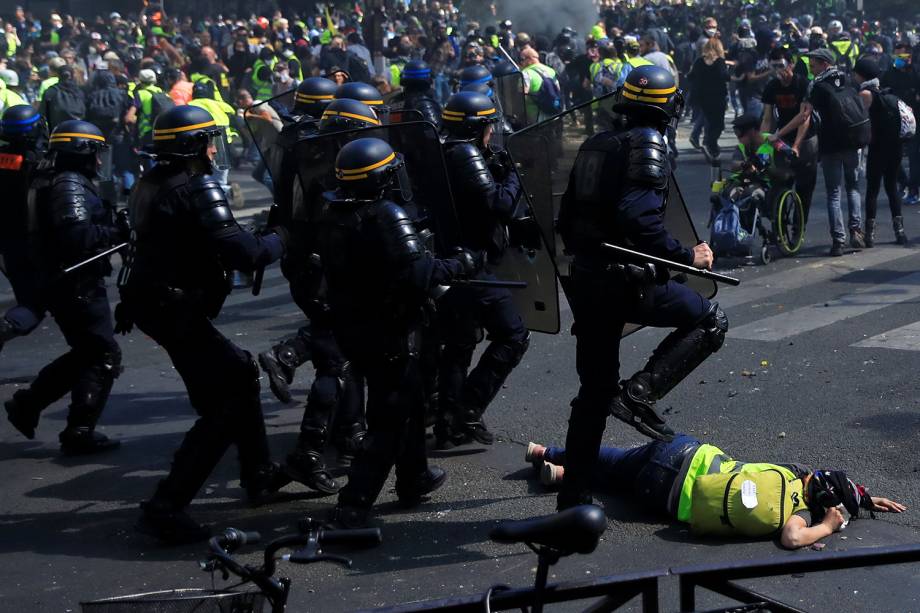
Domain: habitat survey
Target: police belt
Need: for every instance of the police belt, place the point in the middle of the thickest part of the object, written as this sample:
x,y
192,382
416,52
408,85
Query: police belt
x,y
625,273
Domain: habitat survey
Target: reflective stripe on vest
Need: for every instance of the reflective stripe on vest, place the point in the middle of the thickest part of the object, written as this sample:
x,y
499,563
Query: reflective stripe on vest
x,y
145,120
263,88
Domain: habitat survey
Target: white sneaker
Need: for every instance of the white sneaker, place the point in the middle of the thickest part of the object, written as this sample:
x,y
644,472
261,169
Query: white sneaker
x,y
551,474
534,454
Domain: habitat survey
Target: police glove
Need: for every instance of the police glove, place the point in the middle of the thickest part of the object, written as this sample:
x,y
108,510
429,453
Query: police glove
x,y
123,224
500,164
468,261
124,323
282,233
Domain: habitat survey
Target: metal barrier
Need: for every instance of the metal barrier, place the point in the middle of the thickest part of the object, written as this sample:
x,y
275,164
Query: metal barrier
x,y
719,577
618,590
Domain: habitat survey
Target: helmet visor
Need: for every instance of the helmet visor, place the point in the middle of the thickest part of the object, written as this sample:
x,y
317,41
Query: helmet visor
x,y
222,155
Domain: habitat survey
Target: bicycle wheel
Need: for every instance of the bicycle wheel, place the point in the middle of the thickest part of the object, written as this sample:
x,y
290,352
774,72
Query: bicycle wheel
x,y
789,222
179,601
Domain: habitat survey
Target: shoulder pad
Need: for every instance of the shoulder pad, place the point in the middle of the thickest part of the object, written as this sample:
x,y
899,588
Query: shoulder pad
x,y
67,195
210,204
648,158
603,141
398,235
469,167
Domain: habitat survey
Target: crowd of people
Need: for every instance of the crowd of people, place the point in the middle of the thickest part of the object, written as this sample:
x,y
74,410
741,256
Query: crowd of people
x,y
395,349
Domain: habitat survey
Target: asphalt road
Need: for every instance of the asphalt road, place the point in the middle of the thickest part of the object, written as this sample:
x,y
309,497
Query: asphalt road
x,y
819,367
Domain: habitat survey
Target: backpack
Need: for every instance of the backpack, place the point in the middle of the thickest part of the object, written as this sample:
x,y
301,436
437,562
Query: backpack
x,y
606,73
160,103
548,98
751,504
728,237
845,121
357,69
105,107
67,103
897,117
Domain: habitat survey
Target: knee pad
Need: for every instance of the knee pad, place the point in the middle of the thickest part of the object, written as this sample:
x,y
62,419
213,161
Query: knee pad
x,y
714,326
325,391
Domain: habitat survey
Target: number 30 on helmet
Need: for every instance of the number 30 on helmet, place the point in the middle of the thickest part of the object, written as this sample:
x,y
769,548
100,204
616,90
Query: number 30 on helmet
x,y
649,92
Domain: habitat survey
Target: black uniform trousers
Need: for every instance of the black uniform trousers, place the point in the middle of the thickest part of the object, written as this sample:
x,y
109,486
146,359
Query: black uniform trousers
x,y
602,305
223,386
395,413
88,370
462,312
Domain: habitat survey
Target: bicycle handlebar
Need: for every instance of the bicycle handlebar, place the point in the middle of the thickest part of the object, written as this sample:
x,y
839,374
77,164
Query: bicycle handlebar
x,y
359,537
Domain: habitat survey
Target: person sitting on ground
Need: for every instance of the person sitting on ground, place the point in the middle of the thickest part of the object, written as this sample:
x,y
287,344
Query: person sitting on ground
x,y
697,483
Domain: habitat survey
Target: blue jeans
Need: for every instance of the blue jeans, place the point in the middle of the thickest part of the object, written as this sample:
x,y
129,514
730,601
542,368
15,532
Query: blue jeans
x,y
753,106
647,471
842,166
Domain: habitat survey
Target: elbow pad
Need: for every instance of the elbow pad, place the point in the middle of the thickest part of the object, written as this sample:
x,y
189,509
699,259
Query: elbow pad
x,y
210,205
648,164
399,238
67,197
469,170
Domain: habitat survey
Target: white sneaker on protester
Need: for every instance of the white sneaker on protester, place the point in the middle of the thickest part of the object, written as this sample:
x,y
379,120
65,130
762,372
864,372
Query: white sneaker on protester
x,y
551,474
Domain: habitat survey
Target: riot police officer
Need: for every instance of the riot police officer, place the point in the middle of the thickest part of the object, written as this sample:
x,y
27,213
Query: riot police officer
x,y
379,280
25,139
417,95
487,191
336,398
363,92
75,225
184,240
616,193
311,98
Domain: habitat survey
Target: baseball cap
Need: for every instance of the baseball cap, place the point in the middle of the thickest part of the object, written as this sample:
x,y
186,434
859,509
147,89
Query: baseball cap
x,y
147,76
9,77
821,54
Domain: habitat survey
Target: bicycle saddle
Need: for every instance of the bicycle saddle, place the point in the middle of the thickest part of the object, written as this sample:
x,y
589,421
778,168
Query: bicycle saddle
x,y
574,530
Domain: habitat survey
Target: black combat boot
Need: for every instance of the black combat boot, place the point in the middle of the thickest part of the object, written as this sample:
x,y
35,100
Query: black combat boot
x,y
307,466
277,366
22,413
262,485
411,494
163,521
84,440
869,236
634,407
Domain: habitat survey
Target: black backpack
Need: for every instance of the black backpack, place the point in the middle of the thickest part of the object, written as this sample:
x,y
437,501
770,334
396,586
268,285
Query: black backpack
x,y
845,121
160,103
67,102
105,108
357,69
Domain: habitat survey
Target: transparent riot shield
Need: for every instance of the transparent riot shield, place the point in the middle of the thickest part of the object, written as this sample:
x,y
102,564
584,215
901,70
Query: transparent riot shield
x,y
263,127
544,155
105,175
509,93
404,115
423,189
221,159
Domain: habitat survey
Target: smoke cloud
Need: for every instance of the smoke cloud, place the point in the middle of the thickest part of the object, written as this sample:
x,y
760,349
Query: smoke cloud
x,y
549,16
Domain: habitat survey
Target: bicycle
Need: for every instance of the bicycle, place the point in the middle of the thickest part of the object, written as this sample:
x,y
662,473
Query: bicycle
x,y
308,549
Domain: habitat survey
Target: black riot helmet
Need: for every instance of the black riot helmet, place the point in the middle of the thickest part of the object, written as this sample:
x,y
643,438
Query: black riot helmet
x,y
21,125
76,137
347,114
467,113
313,95
366,166
649,93
362,92
203,88
184,132
416,74
503,68
477,73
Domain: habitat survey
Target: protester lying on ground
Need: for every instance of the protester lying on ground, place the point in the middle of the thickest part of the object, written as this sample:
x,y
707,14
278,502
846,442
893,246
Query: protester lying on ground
x,y
700,484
